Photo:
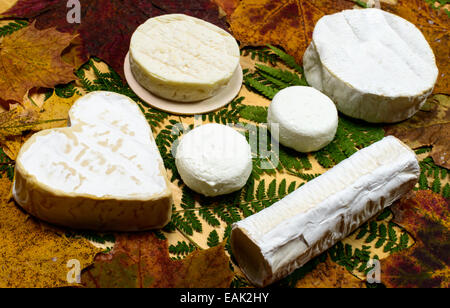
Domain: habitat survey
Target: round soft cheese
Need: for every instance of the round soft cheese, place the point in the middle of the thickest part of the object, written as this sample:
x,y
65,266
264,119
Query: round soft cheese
x,y
182,58
304,119
214,160
374,65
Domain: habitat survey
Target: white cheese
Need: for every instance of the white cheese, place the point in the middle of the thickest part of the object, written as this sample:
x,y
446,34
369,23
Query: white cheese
x,y
283,237
214,160
104,172
374,65
307,119
182,58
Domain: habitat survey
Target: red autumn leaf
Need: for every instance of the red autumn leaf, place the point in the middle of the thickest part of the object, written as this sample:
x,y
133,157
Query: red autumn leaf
x,y
107,25
142,261
426,264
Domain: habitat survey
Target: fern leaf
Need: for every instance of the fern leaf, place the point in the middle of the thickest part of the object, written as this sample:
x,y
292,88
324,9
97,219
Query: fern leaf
x,y
213,239
287,59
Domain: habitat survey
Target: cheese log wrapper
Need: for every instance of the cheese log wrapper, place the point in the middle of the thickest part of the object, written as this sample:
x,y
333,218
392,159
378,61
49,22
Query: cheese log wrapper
x,y
274,242
104,172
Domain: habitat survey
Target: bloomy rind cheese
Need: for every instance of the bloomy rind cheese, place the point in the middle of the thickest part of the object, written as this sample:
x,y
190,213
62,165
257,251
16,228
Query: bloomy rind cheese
x,y
307,119
283,237
214,159
105,212
362,98
167,58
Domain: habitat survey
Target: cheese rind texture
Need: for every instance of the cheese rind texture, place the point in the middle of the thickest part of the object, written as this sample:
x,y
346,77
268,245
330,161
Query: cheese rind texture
x,y
307,119
104,172
283,237
182,58
374,65
214,159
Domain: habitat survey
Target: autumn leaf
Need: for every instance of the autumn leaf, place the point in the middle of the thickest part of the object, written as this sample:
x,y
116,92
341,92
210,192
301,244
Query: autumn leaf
x,y
434,24
30,58
429,127
32,255
6,4
142,261
329,274
228,6
286,23
426,216
16,121
107,25
53,113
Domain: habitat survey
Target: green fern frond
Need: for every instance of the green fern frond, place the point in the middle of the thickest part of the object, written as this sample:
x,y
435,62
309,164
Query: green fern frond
x,y
181,248
262,54
259,87
287,59
213,239
12,27
6,166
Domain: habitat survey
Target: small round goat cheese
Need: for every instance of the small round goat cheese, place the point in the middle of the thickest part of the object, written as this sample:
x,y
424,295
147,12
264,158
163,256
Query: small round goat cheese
x,y
307,120
182,58
374,65
214,160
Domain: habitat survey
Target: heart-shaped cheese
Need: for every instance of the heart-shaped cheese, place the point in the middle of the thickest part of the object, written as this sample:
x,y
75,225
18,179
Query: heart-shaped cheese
x,y
104,172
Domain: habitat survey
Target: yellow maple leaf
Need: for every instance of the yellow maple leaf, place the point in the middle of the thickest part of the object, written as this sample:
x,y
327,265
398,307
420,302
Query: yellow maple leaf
x,y
31,58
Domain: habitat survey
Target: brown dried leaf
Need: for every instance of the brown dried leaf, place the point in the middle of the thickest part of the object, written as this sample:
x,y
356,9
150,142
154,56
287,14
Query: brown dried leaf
x,y
329,274
429,127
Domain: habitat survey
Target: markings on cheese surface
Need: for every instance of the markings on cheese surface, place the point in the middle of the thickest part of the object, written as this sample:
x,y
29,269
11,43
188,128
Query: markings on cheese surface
x,y
91,150
182,58
103,173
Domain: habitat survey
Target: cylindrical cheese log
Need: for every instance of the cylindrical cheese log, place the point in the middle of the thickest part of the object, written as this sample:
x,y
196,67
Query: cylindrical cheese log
x,y
374,65
274,242
182,58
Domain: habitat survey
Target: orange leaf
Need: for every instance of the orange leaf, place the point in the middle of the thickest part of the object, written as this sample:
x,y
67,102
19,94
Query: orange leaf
x,y
287,23
30,58
142,261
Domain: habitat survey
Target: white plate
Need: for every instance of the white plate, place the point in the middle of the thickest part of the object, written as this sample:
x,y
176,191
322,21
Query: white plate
x,y
221,99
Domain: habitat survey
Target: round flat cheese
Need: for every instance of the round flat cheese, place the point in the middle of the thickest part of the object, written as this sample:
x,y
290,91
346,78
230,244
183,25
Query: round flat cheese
x,y
374,65
214,160
182,58
104,172
306,120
